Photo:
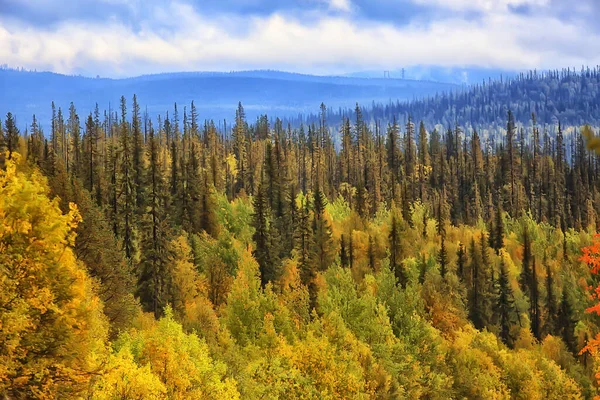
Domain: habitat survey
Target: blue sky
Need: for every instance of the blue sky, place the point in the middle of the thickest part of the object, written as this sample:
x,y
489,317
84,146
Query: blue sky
x,y
131,37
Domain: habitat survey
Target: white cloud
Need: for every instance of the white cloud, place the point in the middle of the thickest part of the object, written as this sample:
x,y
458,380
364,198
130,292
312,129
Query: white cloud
x,y
341,5
325,45
481,5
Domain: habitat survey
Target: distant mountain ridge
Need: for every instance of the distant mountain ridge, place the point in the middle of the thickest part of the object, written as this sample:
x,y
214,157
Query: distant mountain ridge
x,y
568,96
455,75
216,94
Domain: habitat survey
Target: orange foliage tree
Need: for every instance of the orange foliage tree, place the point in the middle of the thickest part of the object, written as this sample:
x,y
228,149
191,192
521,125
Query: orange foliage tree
x,y
591,256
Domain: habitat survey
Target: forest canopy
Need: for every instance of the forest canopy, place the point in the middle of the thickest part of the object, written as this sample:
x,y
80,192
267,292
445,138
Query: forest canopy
x,y
166,258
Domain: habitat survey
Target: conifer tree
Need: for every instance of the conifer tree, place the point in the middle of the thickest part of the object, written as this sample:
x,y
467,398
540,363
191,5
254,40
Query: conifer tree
x,y
343,252
35,145
566,321
11,135
424,161
460,261
74,133
172,131
393,158
240,131
154,271
504,306
126,196
137,157
443,256
396,250
308,268
323,251
477,293
208,218
351,251
2,146
371,253
90,156
346,156
98,248
193,190
510,137
410,158
498,237
534,308
525,280
551,304
262,236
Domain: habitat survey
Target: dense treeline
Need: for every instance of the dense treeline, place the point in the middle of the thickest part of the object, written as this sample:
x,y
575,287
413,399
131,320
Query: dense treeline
x,y
404,262
567,95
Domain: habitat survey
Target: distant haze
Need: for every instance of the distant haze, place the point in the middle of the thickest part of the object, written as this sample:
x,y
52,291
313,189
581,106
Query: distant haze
x,y
216,95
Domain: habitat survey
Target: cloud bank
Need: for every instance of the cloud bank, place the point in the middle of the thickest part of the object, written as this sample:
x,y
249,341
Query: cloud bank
x,y
131,37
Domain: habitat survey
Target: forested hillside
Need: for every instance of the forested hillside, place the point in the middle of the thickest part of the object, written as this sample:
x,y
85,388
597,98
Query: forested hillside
x,y
163,258
569,96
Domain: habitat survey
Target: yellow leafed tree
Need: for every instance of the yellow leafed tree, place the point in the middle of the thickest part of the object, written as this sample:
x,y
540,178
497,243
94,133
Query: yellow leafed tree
x,y
180,361
52,330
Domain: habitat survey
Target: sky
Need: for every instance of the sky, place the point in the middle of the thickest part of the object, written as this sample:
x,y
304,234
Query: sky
x,y
119,38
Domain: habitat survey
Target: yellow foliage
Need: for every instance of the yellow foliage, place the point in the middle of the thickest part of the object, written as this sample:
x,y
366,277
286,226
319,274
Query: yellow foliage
x,y
190,301
125,380
52,330
294,295
231,162
180,361
593,141
316,368
476,375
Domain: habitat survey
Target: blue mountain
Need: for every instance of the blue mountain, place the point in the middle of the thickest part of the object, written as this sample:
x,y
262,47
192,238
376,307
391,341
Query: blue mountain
x,y
216,95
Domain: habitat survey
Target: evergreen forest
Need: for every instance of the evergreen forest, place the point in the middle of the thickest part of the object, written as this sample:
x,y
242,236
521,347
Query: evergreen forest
x,y
443,248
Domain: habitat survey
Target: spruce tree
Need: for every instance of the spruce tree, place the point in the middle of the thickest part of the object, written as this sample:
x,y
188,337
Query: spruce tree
x,y
525,279
137,157
346,156
35,144
498,242
510,135
74,132
240,131
477,292
410,158
11,135
371,253
126,196
2,146
504,306
396,250
534,301
305,241
262,236
551,305
566,321
424,160
393,159
443,257
90,155
343,252
154,271
98,248
323,246
461,261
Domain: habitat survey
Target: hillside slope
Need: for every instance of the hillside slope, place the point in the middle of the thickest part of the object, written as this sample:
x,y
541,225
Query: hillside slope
x,y
215,94
571,97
